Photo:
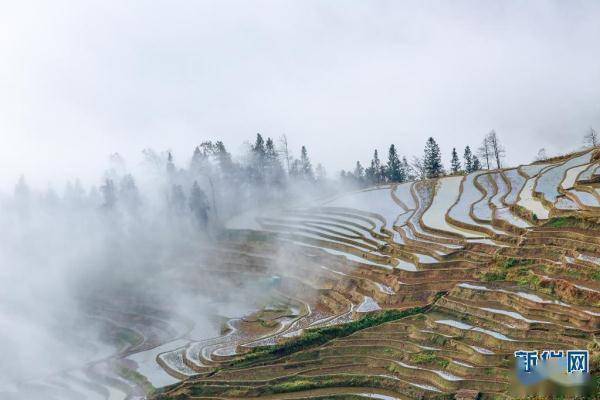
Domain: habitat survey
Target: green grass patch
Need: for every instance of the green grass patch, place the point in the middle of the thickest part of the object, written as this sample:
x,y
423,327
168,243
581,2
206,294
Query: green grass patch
x,y
423,358
493,276
134,376
429,358
595,387
572,222
501,270
287,385
308,383
438,340
394,368
128,337
319,336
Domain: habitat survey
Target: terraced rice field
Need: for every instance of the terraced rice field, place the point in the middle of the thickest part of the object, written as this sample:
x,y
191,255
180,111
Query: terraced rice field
x,y
432,286
447,193
528,201
419,290
548,183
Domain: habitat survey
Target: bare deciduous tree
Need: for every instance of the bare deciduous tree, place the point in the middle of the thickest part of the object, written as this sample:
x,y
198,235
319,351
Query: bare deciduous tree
x,y
591,138
498,150
418,167
491,149
541,155
485,152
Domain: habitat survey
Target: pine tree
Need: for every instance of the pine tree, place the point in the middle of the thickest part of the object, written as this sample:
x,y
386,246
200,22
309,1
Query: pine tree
x,y
129,195
199,160
223,158
109,195
258,159
359,171
306,166
296,169
117,166
376,166
373,173
270,152
321,174
22,197
476,164
468,158
382,176
394,166
432,160
50,198
455,163
207,147
201,165
274,169
359,174
74,194
199,205
407,170
259,145
177,199
170,165
22,191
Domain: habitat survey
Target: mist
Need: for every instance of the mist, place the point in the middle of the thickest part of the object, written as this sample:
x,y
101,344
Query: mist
x,y
77,261
127,144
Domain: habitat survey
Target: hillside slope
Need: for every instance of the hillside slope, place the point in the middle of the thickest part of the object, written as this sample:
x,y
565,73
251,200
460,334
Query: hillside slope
x,y
417,290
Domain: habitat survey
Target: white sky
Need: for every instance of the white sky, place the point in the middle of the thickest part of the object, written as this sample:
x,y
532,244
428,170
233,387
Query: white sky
x,y
82,79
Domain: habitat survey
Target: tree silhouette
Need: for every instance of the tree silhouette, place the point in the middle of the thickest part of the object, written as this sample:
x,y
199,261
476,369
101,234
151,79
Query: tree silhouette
x,y
468,159
199,205
394,170
432,159
305,165
591,138
455,163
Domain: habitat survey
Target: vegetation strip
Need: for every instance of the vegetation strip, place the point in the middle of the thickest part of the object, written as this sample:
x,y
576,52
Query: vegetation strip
x,y
319,336
316,337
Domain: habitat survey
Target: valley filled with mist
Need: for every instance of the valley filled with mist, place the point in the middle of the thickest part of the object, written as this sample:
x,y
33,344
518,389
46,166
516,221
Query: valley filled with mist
x,y
200,270
327,200
95,274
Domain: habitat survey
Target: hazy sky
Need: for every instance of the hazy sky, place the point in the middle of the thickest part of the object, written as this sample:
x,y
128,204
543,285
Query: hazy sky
x,y
82,79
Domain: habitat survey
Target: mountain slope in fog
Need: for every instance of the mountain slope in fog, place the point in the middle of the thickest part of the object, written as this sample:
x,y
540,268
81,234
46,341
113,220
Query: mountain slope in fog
x,y
424,288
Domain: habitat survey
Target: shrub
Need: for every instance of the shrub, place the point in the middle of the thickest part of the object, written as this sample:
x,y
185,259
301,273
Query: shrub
x,y
572,222
393,368
501,270
493,276
439,340
423,358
